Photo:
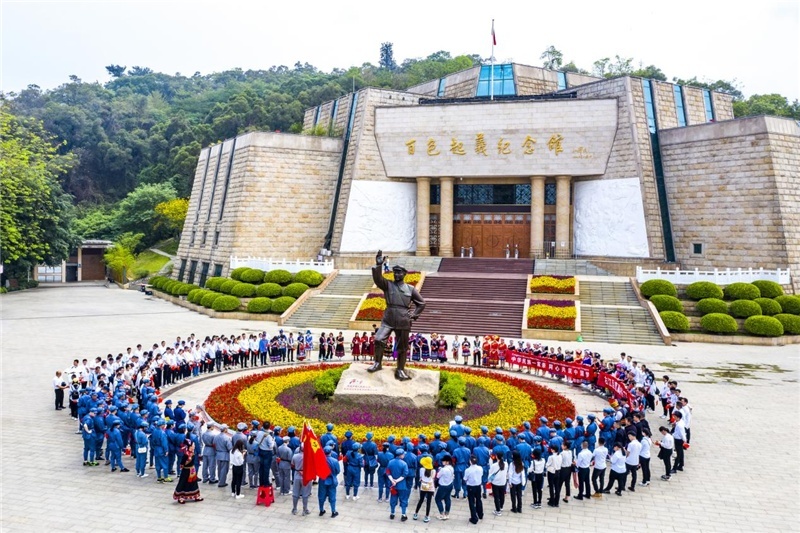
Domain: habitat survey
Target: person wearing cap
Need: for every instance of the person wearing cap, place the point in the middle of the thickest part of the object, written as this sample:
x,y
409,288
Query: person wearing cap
x,y
413,467
525,451
222,448
284,460
619,470
99,432
209,454
141,442
327,485
87,432
384,456
590,433
397,473
173,445
239,435
347,443
607,430
461,456
426,487
354,462
299,490
458,426
160,449
179,414
329,438
169,414
370,451
398,317
473,479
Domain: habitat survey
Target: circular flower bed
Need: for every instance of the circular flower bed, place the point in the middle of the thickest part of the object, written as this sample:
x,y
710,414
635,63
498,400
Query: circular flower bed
x,y
281,397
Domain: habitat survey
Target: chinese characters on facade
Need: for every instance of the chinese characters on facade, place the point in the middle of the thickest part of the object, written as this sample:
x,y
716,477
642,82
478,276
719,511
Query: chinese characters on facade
x,y
505,146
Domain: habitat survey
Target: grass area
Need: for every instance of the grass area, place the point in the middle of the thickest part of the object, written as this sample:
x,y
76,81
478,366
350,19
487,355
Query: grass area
x,y
150,261
169,246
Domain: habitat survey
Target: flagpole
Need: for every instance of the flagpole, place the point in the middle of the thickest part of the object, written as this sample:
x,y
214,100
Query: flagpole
x,y
491,75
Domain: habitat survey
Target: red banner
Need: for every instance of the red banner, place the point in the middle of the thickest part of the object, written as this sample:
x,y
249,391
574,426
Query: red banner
x,y
618,388
560,368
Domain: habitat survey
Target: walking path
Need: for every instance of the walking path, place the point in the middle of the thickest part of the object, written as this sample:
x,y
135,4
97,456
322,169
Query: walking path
x,y
742,471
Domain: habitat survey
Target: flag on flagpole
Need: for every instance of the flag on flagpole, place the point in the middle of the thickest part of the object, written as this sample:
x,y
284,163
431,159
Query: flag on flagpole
x,y
315,464
494,37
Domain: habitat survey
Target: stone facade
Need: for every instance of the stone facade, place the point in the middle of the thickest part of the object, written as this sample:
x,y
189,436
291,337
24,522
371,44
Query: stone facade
x,y
734,189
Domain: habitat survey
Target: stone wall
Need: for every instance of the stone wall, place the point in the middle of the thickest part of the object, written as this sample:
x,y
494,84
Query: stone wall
x,y
723,106
695,108
462,84
535,80
666,111
734,187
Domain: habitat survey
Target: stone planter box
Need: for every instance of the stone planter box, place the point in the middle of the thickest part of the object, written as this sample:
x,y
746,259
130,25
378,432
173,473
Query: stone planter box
x,y
551,296
748,340
551,334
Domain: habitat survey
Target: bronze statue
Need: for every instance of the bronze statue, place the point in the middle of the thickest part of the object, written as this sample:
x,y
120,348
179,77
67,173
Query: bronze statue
x,y
398,315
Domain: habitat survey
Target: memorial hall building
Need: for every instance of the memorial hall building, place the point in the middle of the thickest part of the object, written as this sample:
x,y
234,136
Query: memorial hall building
x,y
506,160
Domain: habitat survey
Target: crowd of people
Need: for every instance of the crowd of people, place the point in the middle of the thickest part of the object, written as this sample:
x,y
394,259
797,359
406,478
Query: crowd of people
x,y
117,405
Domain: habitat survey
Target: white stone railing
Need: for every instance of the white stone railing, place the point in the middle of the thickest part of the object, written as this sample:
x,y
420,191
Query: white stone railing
x,y
718,276
263,263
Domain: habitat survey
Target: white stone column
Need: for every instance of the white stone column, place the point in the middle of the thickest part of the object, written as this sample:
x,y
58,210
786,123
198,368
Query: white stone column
x,y
563,246
446,218
423,216
537,216
80,264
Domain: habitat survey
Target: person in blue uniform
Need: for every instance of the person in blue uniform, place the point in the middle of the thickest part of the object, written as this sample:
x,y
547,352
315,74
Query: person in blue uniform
x,y
114,451
591,431
458,426
397,472
511,443
327,486
384,456
543,431
99,433
354,461
482,455
525,451
347,443
580,435
392,445
179,414
370,450
172,447
569,433
607,430
452,442
329,439
222,448
412,481
436,444
500,449
169,414
141,442
471,441
160,448
87,432
461,456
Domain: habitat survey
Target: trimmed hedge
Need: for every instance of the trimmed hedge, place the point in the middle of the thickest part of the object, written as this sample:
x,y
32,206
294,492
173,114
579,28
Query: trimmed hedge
x,y
156,281
236,273
213,283
325,384
228,286
295,290
281,277
712,305
252,275
667,303
675,321
279,305
741,291
452,390
312,278
196,295
700,290
769,289
790,323
185,289
269,290
226,303
789,304
208,299
168,285
763,326
745,308
719,323
259,305
244,290
658,286
768,307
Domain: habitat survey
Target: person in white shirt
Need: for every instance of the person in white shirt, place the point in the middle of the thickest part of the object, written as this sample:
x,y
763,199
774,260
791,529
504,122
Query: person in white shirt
x,y
498,477
679,434
59,386
619,471
237,462
553,467
644,457
473,477
599,458
583,462
445,476
664,396
632,459
566,470
536,475
666,446
516,481
686,411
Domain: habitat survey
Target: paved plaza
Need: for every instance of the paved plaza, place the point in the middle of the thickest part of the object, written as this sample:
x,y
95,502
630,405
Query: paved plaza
x,y
742,471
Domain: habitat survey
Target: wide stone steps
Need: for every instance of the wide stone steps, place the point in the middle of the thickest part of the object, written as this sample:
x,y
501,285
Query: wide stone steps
x,y
486,265
421,264
618,325
349,285
324,312
474,288
607,293
471,318
568,267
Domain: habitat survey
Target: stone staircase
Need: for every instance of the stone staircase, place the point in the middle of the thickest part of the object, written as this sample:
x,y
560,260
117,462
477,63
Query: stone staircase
x,y
421,264
487,265
611,313
332,308
568,267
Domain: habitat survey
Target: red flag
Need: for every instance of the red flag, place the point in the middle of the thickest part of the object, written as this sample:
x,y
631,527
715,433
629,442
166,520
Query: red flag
x,y
494,37
315,464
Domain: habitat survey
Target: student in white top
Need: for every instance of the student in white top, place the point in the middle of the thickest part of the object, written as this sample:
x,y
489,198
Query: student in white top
x,y
666,446
516,481
426,487
686,411
567,461
536,476
644,457
583,462
632,459
679,434
599,458
619,471
237,462
445,476
498,477
553,467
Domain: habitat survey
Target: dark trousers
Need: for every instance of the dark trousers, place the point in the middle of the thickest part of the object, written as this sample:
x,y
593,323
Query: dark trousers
x,y
599,474
263,357
564,478
666,456
688,435
584,487
553,486
632,471
424,496
476,359
678,465
619,477
499,494
264,467
538,485
645,462
516,497
238,476
59,398
475,503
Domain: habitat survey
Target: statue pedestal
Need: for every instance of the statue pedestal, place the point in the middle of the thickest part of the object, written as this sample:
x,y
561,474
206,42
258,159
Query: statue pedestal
x,y
381,388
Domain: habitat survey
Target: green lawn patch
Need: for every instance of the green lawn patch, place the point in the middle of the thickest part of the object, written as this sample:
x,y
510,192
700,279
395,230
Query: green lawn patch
x,y
169,246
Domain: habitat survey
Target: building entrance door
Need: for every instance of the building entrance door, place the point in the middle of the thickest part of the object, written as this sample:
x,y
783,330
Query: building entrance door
x,y
491,234
549,246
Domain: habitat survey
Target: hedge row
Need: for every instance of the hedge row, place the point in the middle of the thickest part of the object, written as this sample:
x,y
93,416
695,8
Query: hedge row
x,y
311,278
171,286
248,290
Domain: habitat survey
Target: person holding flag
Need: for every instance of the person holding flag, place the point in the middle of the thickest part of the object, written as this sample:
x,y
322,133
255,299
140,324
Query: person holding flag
x,y
316,464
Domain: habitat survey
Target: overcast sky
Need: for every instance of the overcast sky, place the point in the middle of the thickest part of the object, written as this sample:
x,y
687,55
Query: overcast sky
x,y
757,43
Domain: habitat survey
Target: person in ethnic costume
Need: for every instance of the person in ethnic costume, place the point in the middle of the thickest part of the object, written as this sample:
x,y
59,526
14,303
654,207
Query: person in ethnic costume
x,y
187,488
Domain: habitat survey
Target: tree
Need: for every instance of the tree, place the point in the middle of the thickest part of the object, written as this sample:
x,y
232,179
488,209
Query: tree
x,y
137,210
723,86
387,57
140,71
552,58
120,256
650,71
35,213
572,67
172,214
767,104
600,67
116,71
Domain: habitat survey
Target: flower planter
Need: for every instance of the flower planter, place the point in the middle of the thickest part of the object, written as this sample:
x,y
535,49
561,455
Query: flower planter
x,y
552,295
551,334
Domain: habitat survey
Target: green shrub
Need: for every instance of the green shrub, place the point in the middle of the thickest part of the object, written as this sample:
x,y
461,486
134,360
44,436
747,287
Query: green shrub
x,y
667,303
208,299
769,289
195,295
768,307
236,273
452,389
156,281
228,286
176,288
712,305
703,289
281,277
325,384
791,323
279,305
763,326
295,290
269,290
244,290
658,286
252,275
168,286
139,273
312,278
213,283
675,321
259,305
186,288
719,323
745,308
226,303
741,291
3,290
789,304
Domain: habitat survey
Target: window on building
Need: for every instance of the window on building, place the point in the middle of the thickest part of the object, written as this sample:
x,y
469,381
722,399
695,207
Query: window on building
x,y
436,194
192,272
679,107
216,238
550,194
440,91
181,270
697,248
708,105
648,105
217,270
316,115
502,78
194,235
334,110
203,275
205,237
562,81
492,194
